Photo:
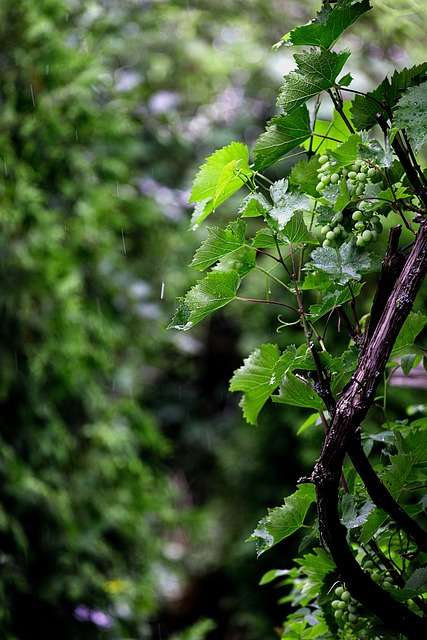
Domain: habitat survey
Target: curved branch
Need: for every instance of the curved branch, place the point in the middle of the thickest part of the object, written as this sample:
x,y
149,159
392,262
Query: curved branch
x,y
351,409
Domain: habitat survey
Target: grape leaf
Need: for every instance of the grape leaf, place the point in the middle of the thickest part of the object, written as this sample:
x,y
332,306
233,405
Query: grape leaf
x,y
341,264
242,260
334,299
223,173
353,517
415,443
295,231
418,581
254,205
264,239
298,393
411,114
283,134
219,243
315,566
346,153
287,200
395,474
259,377
374,521
304,174
365,107
324,33
316,72
412,326
283,521
208,295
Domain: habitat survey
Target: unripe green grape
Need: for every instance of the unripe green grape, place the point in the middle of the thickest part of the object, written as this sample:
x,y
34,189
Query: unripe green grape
x,y
359,226
336,604
374,235
339,591
361,177
360,241
342,605
352,617
323,159
335,178
367,235
344,172
371,173
363,204
376,577
357,215
369,564
337,230
324,230
325,179
339,217
375,220
346,596
330,235
339,613
352,175
326,243
359,190
320,186
352,608
344,234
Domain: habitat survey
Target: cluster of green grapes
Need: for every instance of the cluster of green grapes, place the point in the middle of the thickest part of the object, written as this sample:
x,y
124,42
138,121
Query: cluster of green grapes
x,y
345,606
382,579
364,225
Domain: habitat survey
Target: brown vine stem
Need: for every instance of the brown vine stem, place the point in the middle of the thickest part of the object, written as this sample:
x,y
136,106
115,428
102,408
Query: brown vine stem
x,y
350,411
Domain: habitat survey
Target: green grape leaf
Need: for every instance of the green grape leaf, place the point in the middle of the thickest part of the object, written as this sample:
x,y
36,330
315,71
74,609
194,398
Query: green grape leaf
x,y
264,239
395,474
223,173
298,393
315,566
295,231
352,516
318,280
208,295
418,581
412,326
283,134
287,200
342,264
242,260
415,443
373,151
259,377
324,33
316,72
346,153
219,243
409,361
281,522
366,107
373,522
313,419
411,114
334,299
304,175
254,205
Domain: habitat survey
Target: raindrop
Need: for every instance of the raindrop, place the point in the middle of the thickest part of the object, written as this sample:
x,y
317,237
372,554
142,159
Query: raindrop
x,y
32,95
123,242
162,291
